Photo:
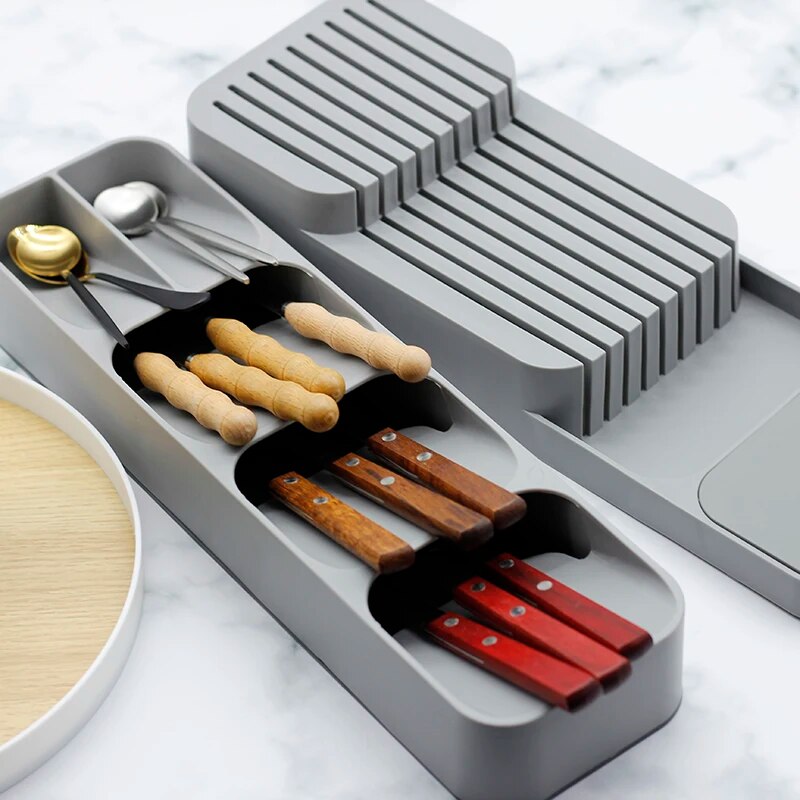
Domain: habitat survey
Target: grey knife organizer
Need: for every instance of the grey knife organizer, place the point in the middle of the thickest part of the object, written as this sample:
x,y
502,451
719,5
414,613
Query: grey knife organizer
x,y
587,300
482,737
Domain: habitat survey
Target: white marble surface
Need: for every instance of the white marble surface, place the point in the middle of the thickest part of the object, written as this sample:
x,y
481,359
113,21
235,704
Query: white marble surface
x,y
218,700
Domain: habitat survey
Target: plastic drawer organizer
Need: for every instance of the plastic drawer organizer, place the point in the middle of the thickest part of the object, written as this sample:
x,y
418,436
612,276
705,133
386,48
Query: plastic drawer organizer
x,y
583,297
482,737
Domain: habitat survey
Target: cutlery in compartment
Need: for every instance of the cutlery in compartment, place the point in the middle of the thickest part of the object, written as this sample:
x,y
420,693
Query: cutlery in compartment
x,y
451,502
236,425
423,546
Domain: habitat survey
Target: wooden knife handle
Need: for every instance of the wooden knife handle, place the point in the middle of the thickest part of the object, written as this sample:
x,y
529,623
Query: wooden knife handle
x,y
235,339
235,424
365,539
548,678
523,622
429,510
345,335
458,483
253,387
569,606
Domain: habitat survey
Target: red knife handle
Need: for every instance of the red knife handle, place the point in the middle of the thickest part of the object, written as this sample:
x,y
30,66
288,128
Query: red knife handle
x,y
523,622
536,672
569,606
433,512
502,507
365,539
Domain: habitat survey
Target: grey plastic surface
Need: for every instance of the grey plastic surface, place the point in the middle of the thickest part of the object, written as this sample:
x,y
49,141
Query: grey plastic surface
x,y
577,293
479,735
753,491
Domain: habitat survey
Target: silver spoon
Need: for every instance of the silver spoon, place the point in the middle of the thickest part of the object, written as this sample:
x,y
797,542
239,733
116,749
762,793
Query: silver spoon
x,y
199,232
134,212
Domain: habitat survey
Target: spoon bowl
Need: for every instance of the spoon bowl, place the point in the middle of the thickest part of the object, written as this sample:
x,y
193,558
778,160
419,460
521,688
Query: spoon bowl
x,y
132,210
47,253
156,194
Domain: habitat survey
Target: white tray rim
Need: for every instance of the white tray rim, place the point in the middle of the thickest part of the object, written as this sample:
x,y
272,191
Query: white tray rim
x,y
30,748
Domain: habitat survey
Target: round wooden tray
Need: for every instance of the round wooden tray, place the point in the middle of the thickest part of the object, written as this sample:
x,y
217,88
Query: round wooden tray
x,y
70,574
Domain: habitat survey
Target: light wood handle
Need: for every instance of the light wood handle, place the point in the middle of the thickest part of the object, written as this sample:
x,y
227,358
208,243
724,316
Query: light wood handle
x,y
286,400
345,335
365,539
235,339
235,424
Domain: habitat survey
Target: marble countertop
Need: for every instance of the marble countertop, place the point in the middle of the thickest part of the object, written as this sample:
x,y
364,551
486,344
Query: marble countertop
x,y
217,699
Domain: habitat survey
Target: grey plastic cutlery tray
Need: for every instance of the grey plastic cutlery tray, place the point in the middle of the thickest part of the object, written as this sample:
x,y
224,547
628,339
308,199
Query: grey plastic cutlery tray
x,y
480,736
584,298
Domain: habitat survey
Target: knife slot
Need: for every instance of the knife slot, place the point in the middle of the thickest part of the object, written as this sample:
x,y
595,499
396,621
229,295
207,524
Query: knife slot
x,y
356,80
341,97
657,283
552,525
343,122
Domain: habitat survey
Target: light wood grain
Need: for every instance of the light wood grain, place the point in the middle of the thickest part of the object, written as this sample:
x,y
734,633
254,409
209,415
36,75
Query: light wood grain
x,y
214,410
380,350
234,338
67,551
249,385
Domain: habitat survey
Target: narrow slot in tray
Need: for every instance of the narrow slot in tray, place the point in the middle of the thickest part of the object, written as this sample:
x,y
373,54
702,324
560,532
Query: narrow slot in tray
x,y
190,196
49,201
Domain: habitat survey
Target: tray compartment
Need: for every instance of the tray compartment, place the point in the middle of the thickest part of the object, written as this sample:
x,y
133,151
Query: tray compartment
x,y
485,258
190,196
49,201
445,714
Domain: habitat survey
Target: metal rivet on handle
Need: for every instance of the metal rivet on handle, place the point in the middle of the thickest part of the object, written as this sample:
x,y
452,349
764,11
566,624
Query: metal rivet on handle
x,y
426,456
389,437
320,500
478,587
352,462
489,641
517,611
387,481
291,479
506,563
450,622
543,586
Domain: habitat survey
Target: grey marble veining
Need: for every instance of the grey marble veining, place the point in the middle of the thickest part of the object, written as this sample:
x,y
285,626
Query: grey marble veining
x,y
217,699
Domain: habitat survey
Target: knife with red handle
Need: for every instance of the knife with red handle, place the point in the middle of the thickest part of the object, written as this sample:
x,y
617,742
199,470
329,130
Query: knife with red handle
x,y
431,511
569,606
548,678
509,614
502,507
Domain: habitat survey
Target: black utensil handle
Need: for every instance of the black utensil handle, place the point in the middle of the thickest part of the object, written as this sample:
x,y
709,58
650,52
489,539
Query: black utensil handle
x,y
100,314
168,298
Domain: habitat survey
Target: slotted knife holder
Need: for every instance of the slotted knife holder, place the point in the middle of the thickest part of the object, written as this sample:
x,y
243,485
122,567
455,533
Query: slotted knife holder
x,y
482,737
587,300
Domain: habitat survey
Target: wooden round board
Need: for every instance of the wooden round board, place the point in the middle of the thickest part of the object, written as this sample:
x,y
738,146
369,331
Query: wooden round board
x,y
69,572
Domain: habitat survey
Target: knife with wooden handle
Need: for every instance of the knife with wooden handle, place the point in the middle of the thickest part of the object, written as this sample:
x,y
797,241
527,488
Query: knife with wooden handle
x,y
365,539
235,339
237,425
569,606
502,507
524,622
429,510
286,400
345,335
548,678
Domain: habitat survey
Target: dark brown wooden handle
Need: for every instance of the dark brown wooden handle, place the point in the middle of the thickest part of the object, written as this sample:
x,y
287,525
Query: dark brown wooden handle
x,y
433,512
365,539
502,507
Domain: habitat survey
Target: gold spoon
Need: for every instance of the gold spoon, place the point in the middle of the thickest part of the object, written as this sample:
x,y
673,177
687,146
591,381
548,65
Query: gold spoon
x,y
50,253
53,254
